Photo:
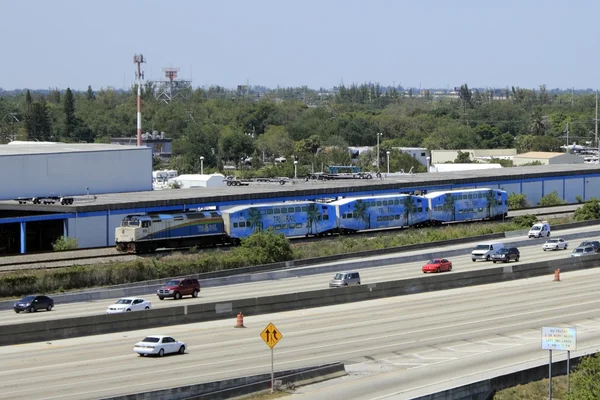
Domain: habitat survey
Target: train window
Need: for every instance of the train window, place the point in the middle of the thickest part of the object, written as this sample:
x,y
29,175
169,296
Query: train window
x,y
470,197
454,197
276,211
396,217
145,224
373,204
385,217
379,219
344,216
263,212
319,218
277,227
242,224
385,203
480,209
505,202
214,214
460,211
304,209
480,195
298,209
284,226
379,203
235,224
419,209
354,215
325,217
499,202
269,211
284,210
298,226
248,224
178,218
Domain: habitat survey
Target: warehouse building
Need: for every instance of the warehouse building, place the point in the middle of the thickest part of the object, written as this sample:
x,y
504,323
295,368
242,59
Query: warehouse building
x,y
36,169
547,158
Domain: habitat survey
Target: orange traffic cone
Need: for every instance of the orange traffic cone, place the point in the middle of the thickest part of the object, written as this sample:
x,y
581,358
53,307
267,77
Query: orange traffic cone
x,y
240,321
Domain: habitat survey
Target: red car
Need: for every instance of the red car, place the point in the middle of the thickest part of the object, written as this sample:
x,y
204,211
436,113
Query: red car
x,y
437,265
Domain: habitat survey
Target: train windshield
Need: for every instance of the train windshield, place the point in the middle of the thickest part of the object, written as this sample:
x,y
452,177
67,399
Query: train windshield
x,y
130,221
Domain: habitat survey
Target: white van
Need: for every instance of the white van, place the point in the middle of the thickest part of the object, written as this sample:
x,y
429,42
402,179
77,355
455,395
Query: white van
x,y
539,230
484,251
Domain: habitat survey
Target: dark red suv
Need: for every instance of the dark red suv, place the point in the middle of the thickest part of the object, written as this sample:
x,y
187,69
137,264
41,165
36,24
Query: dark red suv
x,y
176,288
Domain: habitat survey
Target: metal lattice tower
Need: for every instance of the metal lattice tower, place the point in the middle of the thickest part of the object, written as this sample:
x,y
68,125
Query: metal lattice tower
x,y
172,88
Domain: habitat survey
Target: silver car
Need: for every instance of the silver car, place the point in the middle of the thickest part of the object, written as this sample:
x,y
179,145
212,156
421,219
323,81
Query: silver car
x,y
346,278
583,251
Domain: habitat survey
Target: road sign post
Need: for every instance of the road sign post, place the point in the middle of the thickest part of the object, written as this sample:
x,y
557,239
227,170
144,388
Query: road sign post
x,y
554,338
271,337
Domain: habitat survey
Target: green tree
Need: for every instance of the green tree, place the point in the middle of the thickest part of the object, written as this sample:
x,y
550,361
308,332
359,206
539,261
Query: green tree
x,y
255,218
234,145
360,212
589,211
585,384
551,199
312,218
265,247
89,95
70,124
38,124
517,201
463,157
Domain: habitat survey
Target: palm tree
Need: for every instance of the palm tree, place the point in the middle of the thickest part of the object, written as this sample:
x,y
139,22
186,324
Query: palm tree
x,y
360,212
491,202
312,217
409,208
448,206
255,218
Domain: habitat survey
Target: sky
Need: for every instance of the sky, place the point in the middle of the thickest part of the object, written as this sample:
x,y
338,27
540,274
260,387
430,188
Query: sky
x,y
290,43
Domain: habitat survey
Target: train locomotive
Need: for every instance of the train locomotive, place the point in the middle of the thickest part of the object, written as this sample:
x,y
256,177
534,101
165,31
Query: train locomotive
x,y
148,232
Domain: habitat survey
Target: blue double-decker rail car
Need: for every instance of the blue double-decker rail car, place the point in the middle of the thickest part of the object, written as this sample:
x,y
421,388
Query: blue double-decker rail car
x,y
466,205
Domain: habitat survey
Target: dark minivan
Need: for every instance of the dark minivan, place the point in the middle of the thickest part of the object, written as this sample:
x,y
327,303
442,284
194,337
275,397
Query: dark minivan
x,y
506,254
34,303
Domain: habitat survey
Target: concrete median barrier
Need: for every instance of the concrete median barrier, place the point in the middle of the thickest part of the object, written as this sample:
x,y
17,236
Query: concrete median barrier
x,y
182,314
230,388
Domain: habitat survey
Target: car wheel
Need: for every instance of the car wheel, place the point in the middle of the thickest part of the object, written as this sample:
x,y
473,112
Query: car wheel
x,y
517,259
31,309
161,298
17,311
438,270
487,258
544,249
49,308
472,259
161,352
147,308
177,296
129,309
507,260
182,350
195,294
450,268
566,245
142,355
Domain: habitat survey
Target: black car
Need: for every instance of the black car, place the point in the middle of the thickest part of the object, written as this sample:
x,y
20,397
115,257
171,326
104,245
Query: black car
x,y
506,254
34,303
594,243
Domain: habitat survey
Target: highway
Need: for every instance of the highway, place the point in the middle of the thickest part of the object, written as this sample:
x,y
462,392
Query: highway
x,y
396,347
531,253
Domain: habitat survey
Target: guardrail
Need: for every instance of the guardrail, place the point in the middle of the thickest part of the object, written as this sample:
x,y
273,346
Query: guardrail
x,y
101,324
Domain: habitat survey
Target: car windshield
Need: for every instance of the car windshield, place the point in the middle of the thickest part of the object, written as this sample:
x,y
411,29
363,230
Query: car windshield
x,y
338,276
502,251
552,241
172,283
578,250
482,247
434,261
124,301
151,339
28,299
536,228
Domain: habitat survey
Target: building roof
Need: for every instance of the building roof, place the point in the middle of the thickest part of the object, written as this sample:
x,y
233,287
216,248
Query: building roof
x,y
539,154
27,148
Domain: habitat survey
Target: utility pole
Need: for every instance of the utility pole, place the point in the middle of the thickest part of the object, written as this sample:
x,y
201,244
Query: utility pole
x,y
568,138
139,59
596,130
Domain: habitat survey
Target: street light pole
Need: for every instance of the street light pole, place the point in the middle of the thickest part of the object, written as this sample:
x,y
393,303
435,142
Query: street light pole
x,y
295,170
387,153
378,135
202,165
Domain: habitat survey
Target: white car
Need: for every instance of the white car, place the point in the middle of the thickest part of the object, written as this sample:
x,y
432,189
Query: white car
x,y
129,304
159,345
555,244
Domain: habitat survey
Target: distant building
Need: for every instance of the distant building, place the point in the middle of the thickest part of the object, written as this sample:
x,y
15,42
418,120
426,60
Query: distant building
x,y
444,156
421,154
451,167
547,158
160,145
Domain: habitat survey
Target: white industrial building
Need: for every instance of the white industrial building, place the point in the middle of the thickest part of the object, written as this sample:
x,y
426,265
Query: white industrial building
x,y
461,167
199,181
34,169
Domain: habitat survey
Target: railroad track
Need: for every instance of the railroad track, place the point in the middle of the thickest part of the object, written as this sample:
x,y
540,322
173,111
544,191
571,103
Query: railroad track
x,y
52,260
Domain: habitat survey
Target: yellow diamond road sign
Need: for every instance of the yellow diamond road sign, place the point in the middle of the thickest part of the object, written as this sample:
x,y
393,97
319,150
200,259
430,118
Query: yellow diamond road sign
x,y
271,335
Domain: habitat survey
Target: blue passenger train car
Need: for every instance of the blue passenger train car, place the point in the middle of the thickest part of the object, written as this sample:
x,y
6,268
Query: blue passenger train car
x,y
143,233
291,219
376,212
465,205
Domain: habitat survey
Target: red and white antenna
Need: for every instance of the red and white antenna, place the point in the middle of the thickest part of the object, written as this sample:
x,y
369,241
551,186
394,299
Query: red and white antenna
x,y
171,73
139,59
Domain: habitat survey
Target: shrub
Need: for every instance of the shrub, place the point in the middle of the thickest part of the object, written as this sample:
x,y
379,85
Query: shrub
x,y
579,199
589,211
65,243
265,247
517,201
525,221
551,199
585,384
